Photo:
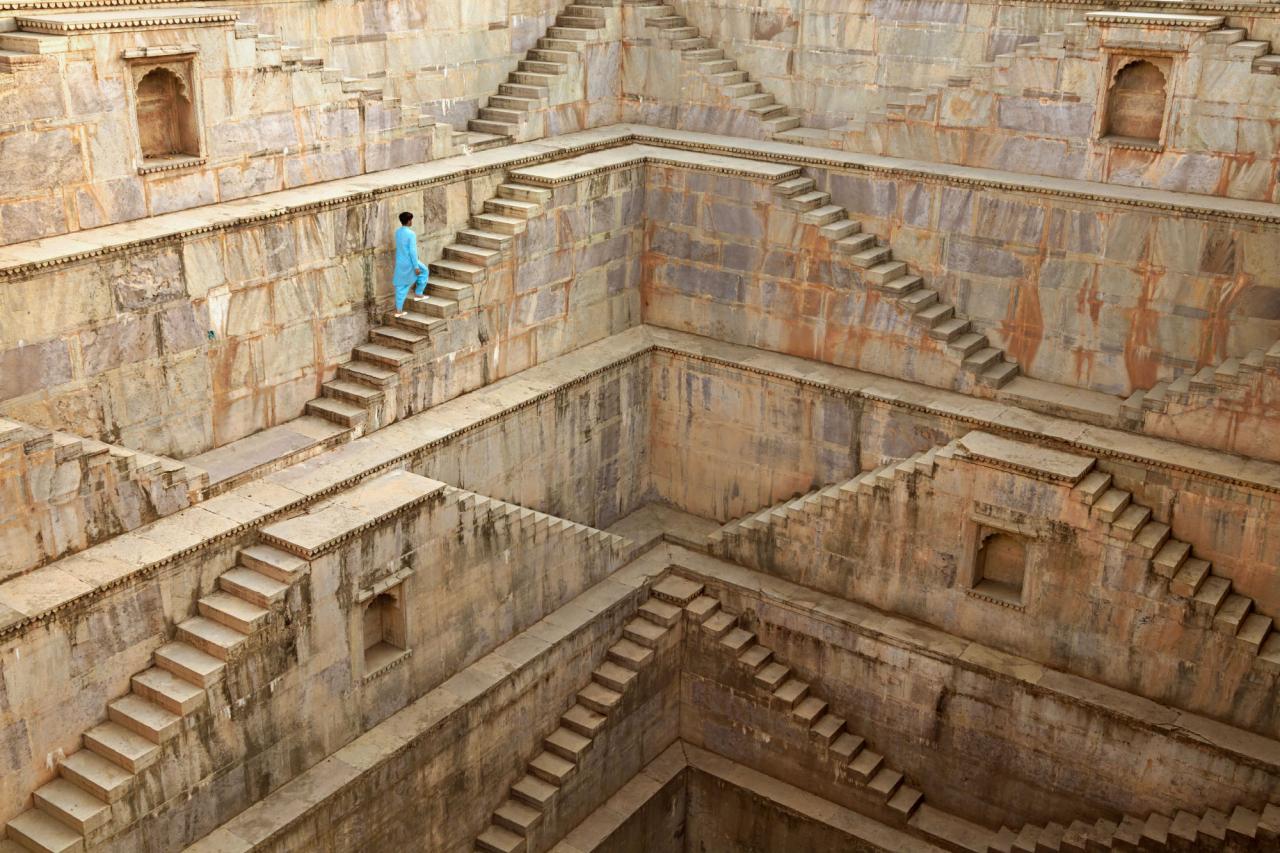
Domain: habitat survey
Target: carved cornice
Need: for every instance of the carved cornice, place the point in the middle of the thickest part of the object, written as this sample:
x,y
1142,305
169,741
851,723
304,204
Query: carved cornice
x,y
85,22
1154,19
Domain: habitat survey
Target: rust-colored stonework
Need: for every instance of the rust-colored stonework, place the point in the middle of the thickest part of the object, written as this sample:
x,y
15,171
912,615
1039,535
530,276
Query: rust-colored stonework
x,y
826,427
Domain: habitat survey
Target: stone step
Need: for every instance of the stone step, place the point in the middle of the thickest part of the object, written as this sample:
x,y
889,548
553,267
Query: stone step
x,y
524,192
580,22
43,833
781,124
702,608
495,839
755,657
823,215
793,186
719,623
772,675
459,271
827,728
71,804
743,88
186,661
1112,502
1169,559
614,676
413,321
905,800
1211,595
169,691
1231,613
513,207
496,128
233,612
872,256
485,239
1187,582
630,654
551,768
885,782
127,749
432,305
527,78
866,764
337,411
840,229
1152,536
567,744
473,255
846,746
583,720
381,355
517,816
356,393
791,693
856,244
933,316
674,589
550,54
1130,521
807,201
1092,486
536,66
101,777
368,373
659,612
809,710
981,360
967,344
1254,630
499,224
144,717
211,637
534,791
599,698
523,90
396,337
644,632
253,587
510,102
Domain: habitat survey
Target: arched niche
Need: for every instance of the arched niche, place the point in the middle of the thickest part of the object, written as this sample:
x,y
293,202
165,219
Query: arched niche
x,y
1137,98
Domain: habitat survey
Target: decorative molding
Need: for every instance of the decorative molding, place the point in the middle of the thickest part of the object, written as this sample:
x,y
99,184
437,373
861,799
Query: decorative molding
x,y
172,165
381,586
82,22
1154,19
387,667
159,51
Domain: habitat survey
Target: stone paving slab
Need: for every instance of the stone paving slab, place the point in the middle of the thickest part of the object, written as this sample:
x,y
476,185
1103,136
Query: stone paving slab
x,y
573,168
262,448
1040,462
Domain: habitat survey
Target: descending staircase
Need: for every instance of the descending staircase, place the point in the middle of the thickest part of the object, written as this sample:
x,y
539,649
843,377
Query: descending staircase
x,y
507,116
735,83
847,751
1212,603
808,505
939,320
363,395
564,748
1245,829
75,811
532,521
1234,377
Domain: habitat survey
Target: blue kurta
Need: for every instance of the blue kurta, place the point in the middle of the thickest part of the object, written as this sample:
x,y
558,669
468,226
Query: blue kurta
x,y
409,270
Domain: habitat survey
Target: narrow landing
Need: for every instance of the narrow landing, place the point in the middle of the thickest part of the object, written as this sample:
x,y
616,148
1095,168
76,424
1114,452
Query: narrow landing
x,y
652,523
269,450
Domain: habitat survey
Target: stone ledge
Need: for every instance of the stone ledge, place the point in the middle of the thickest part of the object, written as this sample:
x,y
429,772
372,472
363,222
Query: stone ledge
x,y
82,22
1154,19
1040,463
21,259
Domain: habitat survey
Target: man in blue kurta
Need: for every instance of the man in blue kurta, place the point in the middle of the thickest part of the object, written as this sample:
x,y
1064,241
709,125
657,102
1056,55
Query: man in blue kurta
x,y
409,270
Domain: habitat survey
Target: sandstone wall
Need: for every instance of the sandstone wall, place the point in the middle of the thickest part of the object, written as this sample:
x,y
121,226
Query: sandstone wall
x,y
937,710
1081,292
189,343
477,581
943,82
723,443
289,94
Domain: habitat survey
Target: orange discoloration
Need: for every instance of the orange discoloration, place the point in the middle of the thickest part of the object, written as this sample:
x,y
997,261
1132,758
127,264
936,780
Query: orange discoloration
x,y
1023,325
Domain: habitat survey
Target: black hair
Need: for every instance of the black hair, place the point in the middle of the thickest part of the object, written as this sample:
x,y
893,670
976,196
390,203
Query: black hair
x,y
406,217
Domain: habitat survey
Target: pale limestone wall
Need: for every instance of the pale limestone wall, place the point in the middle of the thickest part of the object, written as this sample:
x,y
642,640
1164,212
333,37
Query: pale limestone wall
x,y
1024,752
1091,604
583,456
414,72
118,347
456,767
299,692
724,443
1236,413
1085,293
701,411
60,494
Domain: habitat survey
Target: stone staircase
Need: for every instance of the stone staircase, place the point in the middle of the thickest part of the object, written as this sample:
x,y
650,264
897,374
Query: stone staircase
x,y
1244,829
809,505
271,53
507,116
539,525
364,396
1232,379
77,810
736,85
1210,599
848,753
563,749
939,320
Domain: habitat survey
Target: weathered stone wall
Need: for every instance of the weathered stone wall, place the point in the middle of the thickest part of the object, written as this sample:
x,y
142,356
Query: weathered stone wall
x,y
1091,603
943,82
1081,292
190,343
466,743
291,94
941,709
301,690
59,494
582,455
724,443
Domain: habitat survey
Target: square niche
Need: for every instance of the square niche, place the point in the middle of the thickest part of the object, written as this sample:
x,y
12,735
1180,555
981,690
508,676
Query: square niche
x,y
997,564
1136,101
383,628
166,111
